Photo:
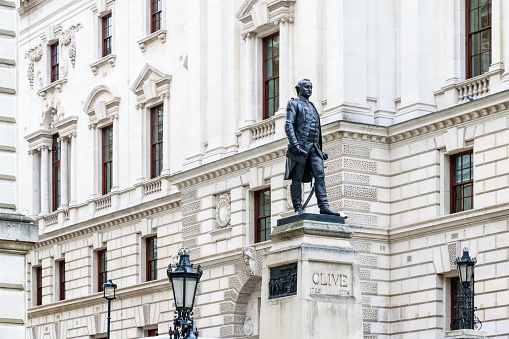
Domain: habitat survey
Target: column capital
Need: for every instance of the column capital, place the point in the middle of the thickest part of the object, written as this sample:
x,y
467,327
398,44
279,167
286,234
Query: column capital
x,y
139,105
92,126
246,35
113,117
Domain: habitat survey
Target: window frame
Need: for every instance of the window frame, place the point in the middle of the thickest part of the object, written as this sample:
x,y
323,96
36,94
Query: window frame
x,y
38,286
107,38
54,61
102,257
153,15
56,172
61,279
104,163
257,218
153,145
148,242
266,80
453,185
469,35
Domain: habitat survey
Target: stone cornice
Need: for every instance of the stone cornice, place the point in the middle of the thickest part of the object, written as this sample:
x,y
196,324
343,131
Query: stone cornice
x,y
270,13
39,138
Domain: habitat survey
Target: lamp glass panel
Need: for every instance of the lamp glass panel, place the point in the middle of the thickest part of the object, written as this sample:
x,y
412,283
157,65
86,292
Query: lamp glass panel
x,y
470,270
109,292
178,290
190,288
462,269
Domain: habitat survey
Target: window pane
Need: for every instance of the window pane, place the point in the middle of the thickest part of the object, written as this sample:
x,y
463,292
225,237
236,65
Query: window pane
x,y
475,66
474,21
271,107
468,204
457,176
267,209
459,192
485,62
474,3
262,236
467,190
276,65
466,160
457,164
268,47
268,70
459,206
475,43
262,224
485,40
276,45
484,17
466,174
271,88
260,210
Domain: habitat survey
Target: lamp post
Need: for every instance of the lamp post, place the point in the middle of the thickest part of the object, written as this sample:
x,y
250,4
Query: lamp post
x,y
465,317
109,290
184,281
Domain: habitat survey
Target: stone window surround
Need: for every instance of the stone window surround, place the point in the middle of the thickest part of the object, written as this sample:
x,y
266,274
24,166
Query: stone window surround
x,y
149,93
99,11
150,36
40,145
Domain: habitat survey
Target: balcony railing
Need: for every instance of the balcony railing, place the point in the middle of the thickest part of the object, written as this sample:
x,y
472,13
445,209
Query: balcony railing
x,y
51,219
476,88
103,203
263,129
152,187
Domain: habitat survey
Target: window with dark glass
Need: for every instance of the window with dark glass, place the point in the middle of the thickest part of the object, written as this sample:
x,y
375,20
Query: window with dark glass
x,y
156,140
262,215
61,279
479,37
107,33
462,179
107,167
156,14
102,269
151,258
38,290
270,75
55,172
152,333
55,60
455,287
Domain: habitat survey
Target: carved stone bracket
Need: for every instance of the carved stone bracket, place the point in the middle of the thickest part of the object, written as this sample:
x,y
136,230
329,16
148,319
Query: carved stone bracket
x,y
33,54
223,210
68,38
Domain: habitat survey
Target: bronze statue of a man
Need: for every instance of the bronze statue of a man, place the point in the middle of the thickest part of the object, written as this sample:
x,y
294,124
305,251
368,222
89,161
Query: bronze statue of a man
x,y
304,158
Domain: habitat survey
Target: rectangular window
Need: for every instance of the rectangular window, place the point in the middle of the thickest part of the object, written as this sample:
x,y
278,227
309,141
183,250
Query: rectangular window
x,y
462,182
156,140
270,75
455,287
107,167
107,33
262,215
102,269
151,258
156,15
38,280
152,333
61,279
479,37
55,60
55,171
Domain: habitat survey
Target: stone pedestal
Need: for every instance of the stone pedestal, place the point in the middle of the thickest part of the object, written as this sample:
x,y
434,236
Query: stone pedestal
x,y
466,334
310,281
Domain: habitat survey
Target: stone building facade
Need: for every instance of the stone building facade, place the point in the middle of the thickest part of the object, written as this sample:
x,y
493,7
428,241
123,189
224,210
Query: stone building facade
x,y
156,124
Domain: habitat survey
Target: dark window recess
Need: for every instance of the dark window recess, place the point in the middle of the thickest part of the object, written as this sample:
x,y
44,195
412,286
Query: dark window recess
x,y
156,18
262,215
455,288
55,171
151,258
152,333
107,166
102,269
478,36
38,280
270,75
107,34
462,182
283,281
61,276
55,61
156,140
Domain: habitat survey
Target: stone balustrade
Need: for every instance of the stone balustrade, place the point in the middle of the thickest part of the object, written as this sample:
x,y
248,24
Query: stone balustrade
x,y
475,87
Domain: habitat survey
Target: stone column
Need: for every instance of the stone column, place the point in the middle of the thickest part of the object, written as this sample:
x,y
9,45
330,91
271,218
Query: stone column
x,y
496,36
116,165
74,164
94,160
250,109
64,172
310,280
284,63
45,203
166,134
505,43
36,176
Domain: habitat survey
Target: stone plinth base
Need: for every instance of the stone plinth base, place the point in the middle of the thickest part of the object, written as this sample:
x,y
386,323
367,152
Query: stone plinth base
x,y
466,334
310,282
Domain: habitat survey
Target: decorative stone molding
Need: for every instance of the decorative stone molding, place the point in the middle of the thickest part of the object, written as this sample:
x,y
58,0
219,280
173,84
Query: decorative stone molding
x,y
255,15
55,86
33,54
160,34
223,210
150,85
249,258
101,106
68,38
109,59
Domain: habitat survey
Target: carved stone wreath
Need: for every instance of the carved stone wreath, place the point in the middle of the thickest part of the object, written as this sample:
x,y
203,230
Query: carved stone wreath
x,y
223,210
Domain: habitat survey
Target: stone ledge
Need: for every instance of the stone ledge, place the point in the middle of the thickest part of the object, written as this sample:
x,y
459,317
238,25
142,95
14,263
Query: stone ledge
x,y
6,3
7,32
12,286
160,34
466,334
303,227
8,62
7,90
11,321
311,217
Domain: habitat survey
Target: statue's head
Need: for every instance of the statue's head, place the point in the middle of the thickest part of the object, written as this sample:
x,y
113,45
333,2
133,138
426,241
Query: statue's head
x,y
304,88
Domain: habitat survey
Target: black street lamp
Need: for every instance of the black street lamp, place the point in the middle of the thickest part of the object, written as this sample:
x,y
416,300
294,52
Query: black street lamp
x,y
184,281
465,317
109,290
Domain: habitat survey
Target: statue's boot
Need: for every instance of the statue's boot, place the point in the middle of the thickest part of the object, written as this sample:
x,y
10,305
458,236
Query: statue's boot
x,y
321,197
296,193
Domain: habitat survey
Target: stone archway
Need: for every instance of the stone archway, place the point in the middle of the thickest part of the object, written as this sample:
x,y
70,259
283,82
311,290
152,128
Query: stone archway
x,y
239,310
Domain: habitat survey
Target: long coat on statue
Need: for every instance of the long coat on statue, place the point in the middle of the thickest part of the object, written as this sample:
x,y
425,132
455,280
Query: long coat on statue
x,y
299,113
